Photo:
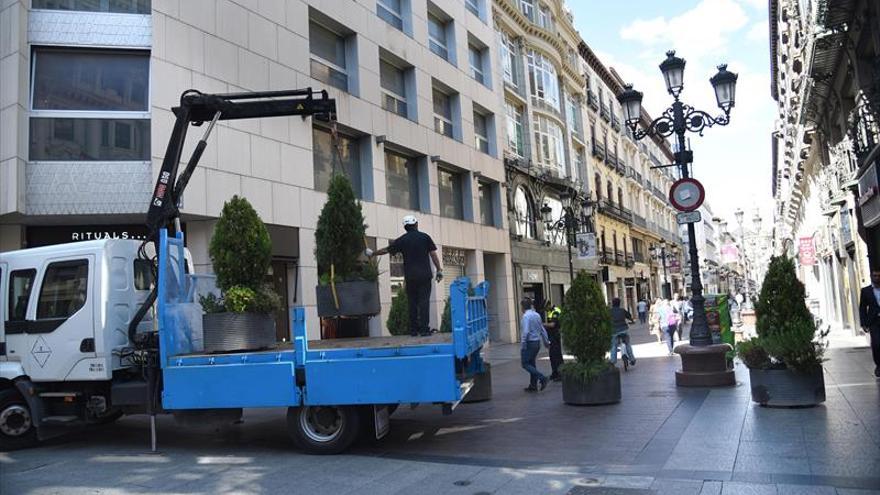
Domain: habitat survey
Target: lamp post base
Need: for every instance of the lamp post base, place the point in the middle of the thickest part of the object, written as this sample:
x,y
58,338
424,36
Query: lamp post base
x,y
704,366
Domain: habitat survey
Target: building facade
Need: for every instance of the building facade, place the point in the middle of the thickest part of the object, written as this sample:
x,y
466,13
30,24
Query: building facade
x,y
824,62
86,98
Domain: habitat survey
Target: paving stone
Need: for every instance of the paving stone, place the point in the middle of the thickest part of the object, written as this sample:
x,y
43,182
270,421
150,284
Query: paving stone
x,y
784,489
738,488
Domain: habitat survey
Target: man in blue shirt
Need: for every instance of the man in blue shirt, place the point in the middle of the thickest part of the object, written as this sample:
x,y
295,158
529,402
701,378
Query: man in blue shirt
x,y
533,333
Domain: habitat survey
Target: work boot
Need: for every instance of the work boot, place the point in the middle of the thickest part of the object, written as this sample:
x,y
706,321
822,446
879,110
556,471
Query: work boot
x,y
544,383
530,389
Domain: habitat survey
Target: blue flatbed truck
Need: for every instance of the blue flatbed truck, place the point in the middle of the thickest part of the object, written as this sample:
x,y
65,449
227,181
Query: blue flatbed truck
x,y
334,393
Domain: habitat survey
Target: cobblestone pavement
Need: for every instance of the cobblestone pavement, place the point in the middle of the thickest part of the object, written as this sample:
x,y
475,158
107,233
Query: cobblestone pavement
x,y
659,440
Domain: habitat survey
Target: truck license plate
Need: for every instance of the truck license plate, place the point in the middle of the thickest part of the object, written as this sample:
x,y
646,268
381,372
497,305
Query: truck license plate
x,y
382,421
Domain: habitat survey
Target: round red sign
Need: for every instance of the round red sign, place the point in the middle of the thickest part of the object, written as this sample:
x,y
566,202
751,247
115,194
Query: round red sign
x,y
686,194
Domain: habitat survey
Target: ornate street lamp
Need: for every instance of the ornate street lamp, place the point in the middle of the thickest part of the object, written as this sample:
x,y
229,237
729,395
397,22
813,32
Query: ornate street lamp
x,y
569,223
677,120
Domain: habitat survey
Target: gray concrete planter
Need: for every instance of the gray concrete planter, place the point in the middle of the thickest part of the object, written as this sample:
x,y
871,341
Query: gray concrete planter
x,y
226,332
358,298
788,388
604,389
482,389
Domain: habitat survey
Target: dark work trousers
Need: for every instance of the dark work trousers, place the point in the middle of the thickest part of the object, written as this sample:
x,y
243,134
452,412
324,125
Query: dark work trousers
x,y
875,346
418,292
555,349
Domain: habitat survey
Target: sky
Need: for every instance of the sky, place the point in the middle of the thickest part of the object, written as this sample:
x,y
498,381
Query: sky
x,y
632,36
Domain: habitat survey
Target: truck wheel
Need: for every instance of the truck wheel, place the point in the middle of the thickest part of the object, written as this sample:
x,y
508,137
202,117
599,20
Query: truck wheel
x,y
16,423
323,429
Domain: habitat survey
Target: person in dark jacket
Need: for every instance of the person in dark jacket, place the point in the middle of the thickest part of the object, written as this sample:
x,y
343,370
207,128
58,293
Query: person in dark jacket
x,y
555,336
869,316
418,252
619,317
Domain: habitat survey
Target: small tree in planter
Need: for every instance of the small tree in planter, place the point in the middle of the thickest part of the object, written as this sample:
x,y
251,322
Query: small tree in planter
x,y
785,359
586,333
398,315
348,285
241,251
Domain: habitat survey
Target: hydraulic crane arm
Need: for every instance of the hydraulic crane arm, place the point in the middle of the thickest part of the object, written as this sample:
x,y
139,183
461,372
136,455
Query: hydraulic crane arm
x,y
196,108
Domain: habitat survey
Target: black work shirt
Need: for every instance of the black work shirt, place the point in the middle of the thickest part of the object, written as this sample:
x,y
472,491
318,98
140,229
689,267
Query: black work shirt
x,y
415,247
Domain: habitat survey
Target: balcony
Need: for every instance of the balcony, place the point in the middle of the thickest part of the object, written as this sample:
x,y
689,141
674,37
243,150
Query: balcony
x,y
611,161
632,174
605,112
599,151
619,258
607,257
617,212
639,257
630,261
615,122
658,193
592,100
621,167
640,221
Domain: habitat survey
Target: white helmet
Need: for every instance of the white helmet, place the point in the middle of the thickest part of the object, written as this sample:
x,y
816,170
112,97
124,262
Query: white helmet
x,y
410,220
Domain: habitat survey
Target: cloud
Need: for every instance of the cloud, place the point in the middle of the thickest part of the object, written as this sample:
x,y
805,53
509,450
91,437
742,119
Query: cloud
x,y
759,32
756,4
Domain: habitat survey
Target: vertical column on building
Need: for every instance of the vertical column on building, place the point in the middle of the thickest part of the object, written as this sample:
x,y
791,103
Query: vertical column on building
x,y
14,62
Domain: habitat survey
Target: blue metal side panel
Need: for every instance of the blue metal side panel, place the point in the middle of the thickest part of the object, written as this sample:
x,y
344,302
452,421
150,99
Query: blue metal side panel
x,y
230,385
381,380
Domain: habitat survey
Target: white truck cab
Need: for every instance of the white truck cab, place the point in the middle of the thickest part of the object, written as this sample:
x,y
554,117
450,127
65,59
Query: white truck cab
x,y
64,316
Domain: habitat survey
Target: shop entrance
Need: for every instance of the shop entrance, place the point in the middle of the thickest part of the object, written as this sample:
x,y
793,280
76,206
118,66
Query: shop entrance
x,y
535,292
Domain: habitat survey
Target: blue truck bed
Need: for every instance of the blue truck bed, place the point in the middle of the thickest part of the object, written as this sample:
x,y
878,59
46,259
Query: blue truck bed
x,y
431,370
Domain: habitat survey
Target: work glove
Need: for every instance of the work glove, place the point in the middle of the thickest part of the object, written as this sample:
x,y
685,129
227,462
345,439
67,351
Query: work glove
x,y
368,253
439,276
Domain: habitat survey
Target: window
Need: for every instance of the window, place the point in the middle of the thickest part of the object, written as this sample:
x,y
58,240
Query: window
x,y
143,274
20,284
437,40
328,56
451,198
473,6
481,132
442,113
390,11
525,214
509,58
610,192
515,142
487,201
475,57
327,160
620,197
545,18
550,235
393,83
543,79
549,143
573,114
580,162
528,9
401,181
110,84
115,6
64,289
598,187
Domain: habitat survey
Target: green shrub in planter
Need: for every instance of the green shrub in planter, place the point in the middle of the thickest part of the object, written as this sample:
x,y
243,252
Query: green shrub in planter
x,y
339,236
240,248
753,354
446,318
398,316
585,323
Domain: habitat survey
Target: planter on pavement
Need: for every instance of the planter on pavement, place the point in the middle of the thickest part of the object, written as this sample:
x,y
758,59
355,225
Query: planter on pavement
x,y
603,389
788,388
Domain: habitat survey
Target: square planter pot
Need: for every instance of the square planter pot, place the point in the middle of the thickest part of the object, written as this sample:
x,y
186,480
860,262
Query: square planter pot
x,y
788,388
604,389
482,389
226,332
358,298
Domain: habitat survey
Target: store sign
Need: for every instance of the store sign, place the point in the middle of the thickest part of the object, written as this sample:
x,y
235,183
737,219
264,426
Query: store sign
x,y
806,251
673,264
46,236
532,276
729,253
586,246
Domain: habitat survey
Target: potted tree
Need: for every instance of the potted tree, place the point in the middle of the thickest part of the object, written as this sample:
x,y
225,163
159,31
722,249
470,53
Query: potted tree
x,y
586,333
785,359
240,249
348,284
398,315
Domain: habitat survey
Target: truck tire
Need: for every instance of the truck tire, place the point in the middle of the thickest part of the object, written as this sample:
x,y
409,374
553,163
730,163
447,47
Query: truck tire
x,y
17,428
323,429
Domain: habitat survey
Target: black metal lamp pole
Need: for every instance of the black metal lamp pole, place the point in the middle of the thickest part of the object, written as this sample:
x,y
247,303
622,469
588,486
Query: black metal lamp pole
x,y
677,120
568,223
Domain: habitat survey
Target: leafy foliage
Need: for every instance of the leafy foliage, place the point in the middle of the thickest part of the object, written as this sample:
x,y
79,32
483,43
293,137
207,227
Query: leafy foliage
x,y
786,329
446,318
240,248
753,354
241,252
585,323
339,236
398,316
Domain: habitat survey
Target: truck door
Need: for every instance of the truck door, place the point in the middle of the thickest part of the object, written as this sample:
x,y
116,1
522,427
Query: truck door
x,y
61,321
3,273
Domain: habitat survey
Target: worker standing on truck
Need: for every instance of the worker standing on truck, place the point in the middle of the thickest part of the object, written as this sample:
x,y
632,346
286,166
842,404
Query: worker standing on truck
x,y
418,250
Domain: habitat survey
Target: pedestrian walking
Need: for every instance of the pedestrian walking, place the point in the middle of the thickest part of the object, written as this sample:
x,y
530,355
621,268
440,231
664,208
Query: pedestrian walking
x,y
668,324
533,334
642,308
869,316
554,334
678,309
620,329
654,320
418,250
